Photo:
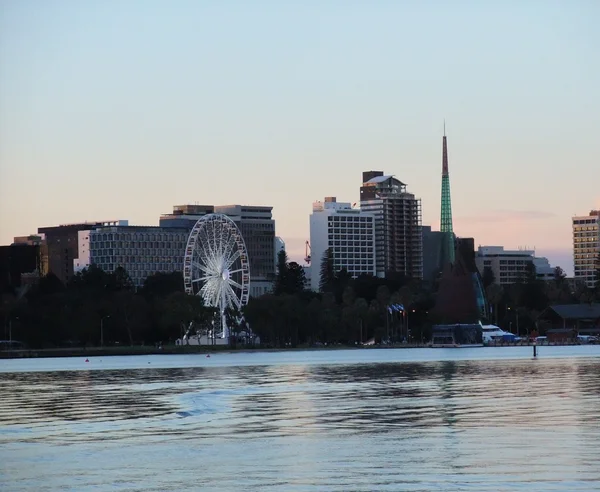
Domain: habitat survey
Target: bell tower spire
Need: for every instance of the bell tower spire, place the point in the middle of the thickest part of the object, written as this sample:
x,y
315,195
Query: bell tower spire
x,y
446,212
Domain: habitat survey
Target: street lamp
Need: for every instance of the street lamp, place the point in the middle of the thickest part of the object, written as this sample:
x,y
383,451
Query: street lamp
x,y
102,330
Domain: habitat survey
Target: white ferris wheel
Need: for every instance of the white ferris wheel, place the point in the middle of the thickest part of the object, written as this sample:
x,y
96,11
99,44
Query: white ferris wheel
x,y
215,266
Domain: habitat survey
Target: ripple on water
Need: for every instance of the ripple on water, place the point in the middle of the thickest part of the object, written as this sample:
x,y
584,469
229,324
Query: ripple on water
x,y
449,425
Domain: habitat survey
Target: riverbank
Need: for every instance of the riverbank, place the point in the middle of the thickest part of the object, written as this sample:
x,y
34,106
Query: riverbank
x,y
207,349
175,349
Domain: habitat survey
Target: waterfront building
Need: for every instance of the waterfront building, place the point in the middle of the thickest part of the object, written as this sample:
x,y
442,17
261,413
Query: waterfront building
x,y
397,215
586,247
258,230
509,266
349,234
140,250
63,245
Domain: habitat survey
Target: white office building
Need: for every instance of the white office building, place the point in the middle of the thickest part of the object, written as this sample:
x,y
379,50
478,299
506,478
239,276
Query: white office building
x,y
509,266
348,232
140,250
586,247
83,244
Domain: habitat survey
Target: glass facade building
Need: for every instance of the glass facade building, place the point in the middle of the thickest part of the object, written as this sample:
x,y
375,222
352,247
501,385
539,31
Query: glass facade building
x,y
141,251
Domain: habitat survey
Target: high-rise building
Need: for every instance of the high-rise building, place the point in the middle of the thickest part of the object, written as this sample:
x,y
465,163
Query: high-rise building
x,y
509,266
63,246
586,247
433,245
398,234
258,230
448,249
140,250
349,234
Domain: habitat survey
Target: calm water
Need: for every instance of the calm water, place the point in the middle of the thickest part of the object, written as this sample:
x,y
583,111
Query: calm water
x,y
484,419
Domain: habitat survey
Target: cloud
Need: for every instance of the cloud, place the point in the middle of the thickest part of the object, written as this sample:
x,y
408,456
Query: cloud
x,y
507,216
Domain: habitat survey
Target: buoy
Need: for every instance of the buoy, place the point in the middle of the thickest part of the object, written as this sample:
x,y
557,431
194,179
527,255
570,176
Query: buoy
x,y
87,360
207,355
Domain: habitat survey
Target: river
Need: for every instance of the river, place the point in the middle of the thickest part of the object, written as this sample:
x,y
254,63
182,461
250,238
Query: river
x,y
480,419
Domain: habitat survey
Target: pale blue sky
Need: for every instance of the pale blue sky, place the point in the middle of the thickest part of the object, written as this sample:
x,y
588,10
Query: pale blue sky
x,y
120,109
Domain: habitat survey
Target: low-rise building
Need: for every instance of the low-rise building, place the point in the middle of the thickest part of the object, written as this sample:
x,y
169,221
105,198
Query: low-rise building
x,y
509,266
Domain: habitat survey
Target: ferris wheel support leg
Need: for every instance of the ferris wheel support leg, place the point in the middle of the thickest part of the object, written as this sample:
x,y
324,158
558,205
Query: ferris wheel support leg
x,y
223,319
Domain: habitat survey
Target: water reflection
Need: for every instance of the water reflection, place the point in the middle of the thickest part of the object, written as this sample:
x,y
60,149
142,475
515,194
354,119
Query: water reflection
x,y
352,424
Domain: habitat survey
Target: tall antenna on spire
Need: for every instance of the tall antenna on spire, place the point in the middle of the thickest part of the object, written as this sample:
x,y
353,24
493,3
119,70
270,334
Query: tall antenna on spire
x,y
444,127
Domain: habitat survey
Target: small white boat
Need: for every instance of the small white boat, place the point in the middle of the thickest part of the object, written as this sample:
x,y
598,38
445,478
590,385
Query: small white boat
x,y
493,333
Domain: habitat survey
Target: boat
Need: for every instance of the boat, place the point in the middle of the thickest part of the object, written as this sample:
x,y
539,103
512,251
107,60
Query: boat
x,y
493,333
457,336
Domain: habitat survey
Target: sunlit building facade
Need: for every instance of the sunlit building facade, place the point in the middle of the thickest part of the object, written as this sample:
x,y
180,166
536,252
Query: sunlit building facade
x,y
586,247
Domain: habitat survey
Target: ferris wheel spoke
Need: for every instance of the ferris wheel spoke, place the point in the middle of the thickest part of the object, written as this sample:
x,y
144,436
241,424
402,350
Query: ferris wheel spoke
x,y
203,279
232,259
234,298
227,294
231,245
234,284
231,272
201,267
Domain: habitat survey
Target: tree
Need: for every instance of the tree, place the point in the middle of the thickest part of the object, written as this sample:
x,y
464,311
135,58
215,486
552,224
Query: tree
x,y
559,276
530,274
282,269
162,284
488,277
295,278
327,278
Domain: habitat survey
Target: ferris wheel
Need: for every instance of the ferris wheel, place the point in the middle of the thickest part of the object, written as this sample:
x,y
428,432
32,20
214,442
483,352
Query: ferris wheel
x,y
215,265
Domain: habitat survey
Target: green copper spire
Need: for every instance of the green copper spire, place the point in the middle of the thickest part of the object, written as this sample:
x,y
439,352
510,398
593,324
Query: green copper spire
x,y
446,218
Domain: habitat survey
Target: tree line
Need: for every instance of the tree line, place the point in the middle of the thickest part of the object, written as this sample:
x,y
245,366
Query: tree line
x,y
96,306
99,307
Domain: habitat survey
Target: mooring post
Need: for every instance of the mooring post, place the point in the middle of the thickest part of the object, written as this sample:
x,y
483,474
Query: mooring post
x,y
534,348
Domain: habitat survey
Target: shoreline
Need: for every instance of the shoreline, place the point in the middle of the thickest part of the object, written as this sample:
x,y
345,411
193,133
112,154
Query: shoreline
x,y
207,349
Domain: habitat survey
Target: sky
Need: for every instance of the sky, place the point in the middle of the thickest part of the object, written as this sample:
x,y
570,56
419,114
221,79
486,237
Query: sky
x,y
121,109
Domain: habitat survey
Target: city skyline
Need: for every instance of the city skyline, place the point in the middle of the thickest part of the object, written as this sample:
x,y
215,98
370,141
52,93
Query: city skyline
x,y
121,111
